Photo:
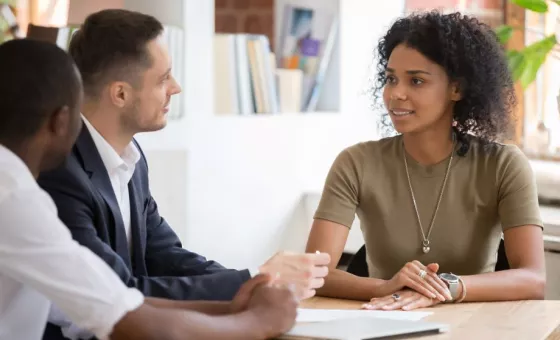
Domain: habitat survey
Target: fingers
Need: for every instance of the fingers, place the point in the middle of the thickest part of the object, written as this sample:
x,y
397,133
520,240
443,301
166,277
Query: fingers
x,y
319,259
434,267
403,302
259,279
317,283
436,282
309,293
378,303
433,279
319,271
407,300
306,271
430,282
419,303
389,303
423,288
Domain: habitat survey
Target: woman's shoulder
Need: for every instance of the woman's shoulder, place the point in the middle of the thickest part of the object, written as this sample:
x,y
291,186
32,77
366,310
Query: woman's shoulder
x,y
373,148
502,155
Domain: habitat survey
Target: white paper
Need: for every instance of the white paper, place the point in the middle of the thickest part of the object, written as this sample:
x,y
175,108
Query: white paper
x,y
319,315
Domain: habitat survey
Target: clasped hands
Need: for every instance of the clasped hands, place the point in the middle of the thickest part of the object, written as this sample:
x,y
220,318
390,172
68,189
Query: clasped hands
x,y
414,286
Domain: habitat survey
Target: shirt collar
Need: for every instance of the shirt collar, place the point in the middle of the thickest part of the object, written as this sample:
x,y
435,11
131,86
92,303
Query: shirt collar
x,y
16,164
111,159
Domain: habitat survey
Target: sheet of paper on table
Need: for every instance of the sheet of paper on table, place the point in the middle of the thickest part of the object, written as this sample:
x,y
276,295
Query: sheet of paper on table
x,y
320,315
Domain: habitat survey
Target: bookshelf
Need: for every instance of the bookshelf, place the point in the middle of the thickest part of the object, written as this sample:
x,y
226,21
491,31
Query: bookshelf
x,y
276,57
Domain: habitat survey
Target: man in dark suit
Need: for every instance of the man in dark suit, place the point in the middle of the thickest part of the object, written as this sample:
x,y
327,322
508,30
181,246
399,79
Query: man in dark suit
x,y
102,192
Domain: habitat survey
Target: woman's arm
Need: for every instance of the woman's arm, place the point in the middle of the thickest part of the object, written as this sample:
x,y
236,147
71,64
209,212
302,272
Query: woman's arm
x,y
330,237
518,208
524,281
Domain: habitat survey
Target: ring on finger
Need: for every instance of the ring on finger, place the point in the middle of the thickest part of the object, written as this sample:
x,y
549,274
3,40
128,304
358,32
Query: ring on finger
x,y
396,297
422,273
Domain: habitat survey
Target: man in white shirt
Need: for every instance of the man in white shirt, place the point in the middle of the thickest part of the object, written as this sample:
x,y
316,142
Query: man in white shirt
x,y
40,96
102,192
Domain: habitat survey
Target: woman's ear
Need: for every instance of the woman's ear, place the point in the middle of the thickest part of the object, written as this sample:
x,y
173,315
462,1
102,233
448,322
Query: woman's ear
x,y
456,91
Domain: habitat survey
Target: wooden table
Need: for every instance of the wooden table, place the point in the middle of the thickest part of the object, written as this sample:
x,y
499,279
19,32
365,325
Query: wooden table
x,y
519,320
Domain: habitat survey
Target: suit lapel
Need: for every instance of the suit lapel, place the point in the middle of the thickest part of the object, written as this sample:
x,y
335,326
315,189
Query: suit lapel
x,y
94,166
138,224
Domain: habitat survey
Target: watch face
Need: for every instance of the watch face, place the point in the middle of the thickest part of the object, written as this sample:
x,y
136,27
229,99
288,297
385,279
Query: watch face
x,y
449,277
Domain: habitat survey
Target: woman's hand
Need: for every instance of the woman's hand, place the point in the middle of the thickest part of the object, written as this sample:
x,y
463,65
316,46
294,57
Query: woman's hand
x,y
403,299
423,279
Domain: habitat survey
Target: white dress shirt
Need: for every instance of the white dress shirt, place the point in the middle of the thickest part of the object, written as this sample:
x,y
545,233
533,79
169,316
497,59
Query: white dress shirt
x,y
120,169
39,262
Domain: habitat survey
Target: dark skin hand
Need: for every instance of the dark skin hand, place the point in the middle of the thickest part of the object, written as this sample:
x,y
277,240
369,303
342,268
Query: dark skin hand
x,y
270,310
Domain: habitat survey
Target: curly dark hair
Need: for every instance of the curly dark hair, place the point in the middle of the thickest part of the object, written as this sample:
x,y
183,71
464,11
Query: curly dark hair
x,y
472,55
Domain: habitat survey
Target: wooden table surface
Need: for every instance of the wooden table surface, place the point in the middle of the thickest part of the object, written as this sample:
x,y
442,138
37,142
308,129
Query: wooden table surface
x,y
519,320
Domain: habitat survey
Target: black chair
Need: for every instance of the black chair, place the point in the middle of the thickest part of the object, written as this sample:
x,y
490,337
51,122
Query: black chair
x,y
358,264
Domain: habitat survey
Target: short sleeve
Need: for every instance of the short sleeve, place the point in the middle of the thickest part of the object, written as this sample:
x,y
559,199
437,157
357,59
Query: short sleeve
x,y
518,202
340,195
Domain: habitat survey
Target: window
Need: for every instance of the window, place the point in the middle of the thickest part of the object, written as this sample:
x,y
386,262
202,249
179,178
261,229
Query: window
x,y
541,130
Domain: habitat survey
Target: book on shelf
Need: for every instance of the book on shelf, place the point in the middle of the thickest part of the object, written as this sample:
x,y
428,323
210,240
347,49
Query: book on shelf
x,y
172,37
247,81
244,75
306,42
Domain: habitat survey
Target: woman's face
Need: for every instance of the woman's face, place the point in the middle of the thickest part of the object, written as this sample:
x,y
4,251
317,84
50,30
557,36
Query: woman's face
x,y
418,93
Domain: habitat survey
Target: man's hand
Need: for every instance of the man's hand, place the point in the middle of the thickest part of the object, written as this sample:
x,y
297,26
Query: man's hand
x,y
304,272
404,299
243,297
274,309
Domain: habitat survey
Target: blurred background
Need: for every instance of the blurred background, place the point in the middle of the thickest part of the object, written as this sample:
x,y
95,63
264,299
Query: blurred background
x,y
238,179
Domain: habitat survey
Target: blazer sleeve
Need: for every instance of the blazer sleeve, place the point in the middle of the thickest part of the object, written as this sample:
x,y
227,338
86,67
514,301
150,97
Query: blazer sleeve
x,y
165,256
75,208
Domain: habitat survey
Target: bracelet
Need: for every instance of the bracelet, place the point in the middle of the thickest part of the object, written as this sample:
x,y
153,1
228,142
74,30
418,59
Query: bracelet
x,y
464,292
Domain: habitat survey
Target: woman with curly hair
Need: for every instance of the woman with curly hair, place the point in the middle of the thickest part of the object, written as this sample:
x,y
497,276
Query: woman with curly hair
x,y
434,200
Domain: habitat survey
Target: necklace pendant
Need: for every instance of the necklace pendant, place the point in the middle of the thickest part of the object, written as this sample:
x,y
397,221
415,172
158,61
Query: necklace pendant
x,y
426,246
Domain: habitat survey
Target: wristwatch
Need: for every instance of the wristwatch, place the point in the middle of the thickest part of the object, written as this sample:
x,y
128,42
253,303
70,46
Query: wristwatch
x,y
452,282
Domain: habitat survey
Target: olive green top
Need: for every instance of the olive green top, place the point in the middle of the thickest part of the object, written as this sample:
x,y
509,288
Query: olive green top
x,y
490,189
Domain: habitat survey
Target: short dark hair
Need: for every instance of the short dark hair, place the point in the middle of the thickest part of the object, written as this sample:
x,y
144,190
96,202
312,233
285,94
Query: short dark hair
x,y
38,79
111,45
471,54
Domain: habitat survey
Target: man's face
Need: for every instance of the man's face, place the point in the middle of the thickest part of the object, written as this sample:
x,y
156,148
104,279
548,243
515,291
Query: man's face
x,y
148,107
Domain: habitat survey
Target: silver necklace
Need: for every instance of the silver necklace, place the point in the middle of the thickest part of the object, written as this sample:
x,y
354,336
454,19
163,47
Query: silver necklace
x,y
426,238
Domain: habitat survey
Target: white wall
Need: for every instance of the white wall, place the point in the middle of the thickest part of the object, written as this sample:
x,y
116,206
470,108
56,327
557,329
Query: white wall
x,y
246,175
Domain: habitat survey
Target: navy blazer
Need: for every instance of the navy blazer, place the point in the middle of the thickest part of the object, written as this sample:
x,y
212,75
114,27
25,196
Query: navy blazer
x,y
159,266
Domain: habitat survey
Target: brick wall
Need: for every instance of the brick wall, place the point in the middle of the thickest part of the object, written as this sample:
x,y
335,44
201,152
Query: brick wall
x,y
245,16
488,11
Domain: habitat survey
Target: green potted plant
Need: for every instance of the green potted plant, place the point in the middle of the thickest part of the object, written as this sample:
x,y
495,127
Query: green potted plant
x,y
525,65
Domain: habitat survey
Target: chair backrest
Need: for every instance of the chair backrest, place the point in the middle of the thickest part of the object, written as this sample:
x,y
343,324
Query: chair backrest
x,y
358,264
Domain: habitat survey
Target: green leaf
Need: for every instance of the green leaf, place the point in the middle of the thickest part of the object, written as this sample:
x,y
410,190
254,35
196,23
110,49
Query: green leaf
x,y
544,45
526,63
539,6
531,69
504,33
516,62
